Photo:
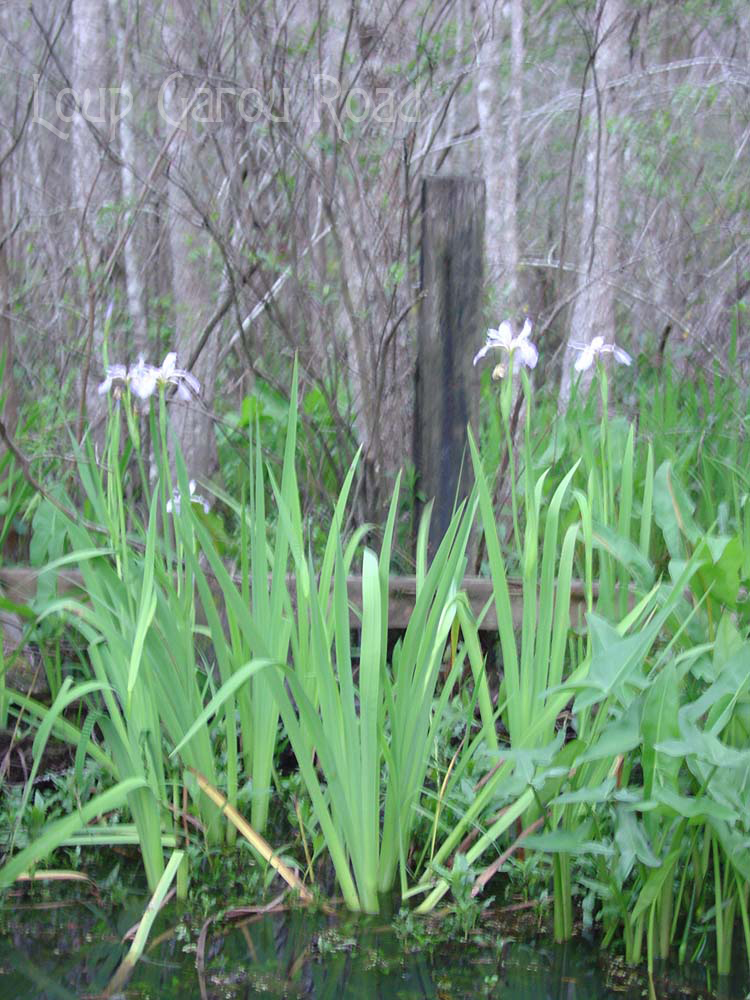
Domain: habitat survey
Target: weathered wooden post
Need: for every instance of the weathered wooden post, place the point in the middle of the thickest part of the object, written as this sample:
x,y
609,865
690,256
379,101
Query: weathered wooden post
x,y
447,387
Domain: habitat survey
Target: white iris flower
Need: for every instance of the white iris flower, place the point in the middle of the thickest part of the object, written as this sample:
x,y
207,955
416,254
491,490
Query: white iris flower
x,y
174,503
169,374
117,375
593,351
144,378
502,339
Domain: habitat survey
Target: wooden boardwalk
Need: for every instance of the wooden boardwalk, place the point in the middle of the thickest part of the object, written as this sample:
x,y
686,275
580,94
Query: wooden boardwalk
x,y
18,584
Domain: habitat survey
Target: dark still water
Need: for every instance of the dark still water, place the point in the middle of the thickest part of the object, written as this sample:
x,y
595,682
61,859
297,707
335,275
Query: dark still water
x,y
69,951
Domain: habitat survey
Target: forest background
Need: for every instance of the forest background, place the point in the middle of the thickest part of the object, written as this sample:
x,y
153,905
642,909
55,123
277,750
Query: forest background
x,y
240,183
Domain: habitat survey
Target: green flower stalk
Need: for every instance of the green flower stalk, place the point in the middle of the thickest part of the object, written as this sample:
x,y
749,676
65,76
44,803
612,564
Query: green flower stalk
x,y
502,340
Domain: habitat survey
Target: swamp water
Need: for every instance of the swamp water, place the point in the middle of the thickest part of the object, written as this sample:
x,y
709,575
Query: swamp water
x,y
72,950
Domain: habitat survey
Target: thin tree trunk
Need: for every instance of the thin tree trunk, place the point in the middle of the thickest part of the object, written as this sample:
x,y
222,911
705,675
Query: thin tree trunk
x,y
515,110
134,249
93,178
8,411
460,112
499,141
593,311
94,182
191,273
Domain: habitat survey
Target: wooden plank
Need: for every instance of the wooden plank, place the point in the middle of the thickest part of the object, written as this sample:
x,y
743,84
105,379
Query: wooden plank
x,y
18,584
447,388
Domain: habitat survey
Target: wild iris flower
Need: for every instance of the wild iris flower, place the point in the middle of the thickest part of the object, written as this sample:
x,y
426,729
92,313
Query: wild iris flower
x,y
174,503
502,339
593,351
169,374
117,375
144,378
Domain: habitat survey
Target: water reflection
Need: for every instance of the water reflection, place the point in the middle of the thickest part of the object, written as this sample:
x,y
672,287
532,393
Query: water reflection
x,y
73,951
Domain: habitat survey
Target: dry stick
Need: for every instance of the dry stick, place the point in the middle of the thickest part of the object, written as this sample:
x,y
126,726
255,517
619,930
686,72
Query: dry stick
x,y
55,875
441,796
472,835
481,881
185,813
483,781
186,817
260,844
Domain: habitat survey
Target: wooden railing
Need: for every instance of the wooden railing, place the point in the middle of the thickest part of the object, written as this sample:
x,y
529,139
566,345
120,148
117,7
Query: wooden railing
x,y
18,584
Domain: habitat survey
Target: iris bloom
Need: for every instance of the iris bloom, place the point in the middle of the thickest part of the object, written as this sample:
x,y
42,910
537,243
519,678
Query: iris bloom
x,y
502,339
174,503
117,375
169,374
144,378
593,351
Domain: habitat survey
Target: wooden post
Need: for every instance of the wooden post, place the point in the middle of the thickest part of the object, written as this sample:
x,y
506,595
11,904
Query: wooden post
x,y
448,334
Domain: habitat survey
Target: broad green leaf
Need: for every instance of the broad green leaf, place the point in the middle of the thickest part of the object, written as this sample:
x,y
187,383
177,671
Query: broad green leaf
x,y
655,882
626,553
566,842
695,806
600,793
619,736
673,511
721,575
632,842
659,723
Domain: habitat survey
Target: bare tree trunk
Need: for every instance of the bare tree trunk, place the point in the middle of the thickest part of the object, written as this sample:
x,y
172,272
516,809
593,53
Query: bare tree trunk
x,y
356,316
500,145
513,147
93,178
594,307
462,107
8,412
190,258
134,249
378,348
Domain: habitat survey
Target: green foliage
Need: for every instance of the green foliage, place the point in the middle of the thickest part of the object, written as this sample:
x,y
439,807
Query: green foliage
x,y
321,459
336,705
403,774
